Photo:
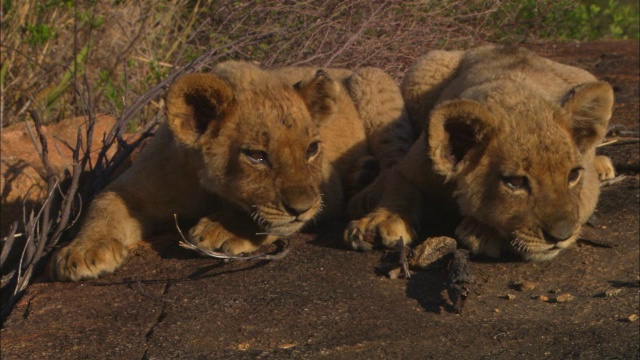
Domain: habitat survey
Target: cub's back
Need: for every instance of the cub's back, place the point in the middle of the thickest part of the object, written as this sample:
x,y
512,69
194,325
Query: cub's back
x,y
485,65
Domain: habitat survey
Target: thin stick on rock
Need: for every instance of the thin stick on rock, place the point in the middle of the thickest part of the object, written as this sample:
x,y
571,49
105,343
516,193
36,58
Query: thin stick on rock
x,y
184,243
610,182
620,141
402,253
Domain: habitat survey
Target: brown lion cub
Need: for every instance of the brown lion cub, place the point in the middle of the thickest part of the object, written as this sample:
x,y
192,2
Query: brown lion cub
x,y
507,149
248,155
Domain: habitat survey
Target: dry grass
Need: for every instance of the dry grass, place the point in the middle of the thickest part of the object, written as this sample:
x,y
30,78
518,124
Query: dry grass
x,y
126,47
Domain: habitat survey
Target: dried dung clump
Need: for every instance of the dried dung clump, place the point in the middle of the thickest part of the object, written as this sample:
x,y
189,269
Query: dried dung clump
x,y
432,253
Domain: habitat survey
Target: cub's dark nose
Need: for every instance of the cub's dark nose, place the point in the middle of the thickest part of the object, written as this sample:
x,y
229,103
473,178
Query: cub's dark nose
x,y
560,231
296,209
297,200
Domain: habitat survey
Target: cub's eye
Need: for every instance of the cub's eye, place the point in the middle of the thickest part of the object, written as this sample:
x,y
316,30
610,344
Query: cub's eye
x,y
256,156
516,182
313,149
574,176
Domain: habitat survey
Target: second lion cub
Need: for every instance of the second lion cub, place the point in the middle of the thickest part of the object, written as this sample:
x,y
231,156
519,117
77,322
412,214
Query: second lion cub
x,y
507,148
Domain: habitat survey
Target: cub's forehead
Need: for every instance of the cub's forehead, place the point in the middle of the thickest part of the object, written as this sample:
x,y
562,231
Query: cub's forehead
x,y
534,148
278,111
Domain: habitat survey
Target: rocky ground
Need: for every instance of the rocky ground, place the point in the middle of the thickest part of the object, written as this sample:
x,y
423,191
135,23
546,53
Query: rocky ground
x,y
322,301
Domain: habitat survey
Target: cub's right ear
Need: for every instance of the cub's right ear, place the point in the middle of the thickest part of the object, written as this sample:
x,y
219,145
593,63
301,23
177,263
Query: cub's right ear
x,y
589,107
455,129
197,104
320,95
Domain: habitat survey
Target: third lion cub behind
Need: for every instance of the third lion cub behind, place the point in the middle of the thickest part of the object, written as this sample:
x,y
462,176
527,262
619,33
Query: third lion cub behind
x,y
507,148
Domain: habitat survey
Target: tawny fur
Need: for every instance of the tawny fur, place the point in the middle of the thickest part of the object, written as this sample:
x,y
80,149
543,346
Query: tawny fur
x,y
248,155
508,146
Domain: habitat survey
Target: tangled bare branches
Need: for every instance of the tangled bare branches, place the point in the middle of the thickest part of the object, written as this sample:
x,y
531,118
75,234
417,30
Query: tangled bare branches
x,y
42,230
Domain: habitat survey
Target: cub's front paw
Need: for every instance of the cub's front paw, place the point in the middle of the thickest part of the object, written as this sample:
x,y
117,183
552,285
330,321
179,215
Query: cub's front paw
x,y
604,167
87,260
211,235
380,227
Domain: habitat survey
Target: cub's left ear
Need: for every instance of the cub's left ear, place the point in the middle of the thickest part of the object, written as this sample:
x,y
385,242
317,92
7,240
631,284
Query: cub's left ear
x,y
321,96
589,107
197,104
457,128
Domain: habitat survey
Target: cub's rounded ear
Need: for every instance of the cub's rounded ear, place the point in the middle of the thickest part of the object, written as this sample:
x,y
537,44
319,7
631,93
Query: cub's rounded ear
x,y
456,128
321,96
197,104
589,107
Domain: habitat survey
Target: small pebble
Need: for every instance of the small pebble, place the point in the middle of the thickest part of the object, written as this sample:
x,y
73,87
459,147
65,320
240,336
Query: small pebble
x,y
566,297
525,285
632,318
612,293
394,273
496,310
509,297
542,298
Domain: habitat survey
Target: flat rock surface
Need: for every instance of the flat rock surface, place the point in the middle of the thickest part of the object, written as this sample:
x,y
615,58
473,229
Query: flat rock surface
x,y
323,301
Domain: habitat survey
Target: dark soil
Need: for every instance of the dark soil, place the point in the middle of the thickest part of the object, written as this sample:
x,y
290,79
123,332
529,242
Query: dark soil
x,y
323,301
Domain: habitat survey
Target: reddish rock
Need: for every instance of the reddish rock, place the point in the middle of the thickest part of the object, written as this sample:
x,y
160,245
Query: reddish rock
x,y
23,174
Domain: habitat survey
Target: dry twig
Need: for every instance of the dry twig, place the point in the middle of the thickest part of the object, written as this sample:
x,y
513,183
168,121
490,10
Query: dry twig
x,y
402,254
620,141
221,255
615,180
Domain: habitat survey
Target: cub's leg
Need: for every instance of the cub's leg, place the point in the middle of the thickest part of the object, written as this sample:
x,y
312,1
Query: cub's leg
x,y
400,209
111,226
604,167
363,173
217,232
389,133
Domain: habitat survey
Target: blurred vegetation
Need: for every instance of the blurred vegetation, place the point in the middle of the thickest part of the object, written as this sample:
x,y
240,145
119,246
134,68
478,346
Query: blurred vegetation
x,y
55,52
567,20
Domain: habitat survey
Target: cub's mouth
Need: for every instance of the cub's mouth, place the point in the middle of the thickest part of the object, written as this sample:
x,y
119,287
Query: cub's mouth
x,y
535,246
279,220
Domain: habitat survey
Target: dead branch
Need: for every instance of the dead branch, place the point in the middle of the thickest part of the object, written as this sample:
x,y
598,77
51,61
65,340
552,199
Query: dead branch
x,y
7,242
597,243
402,254
620,141
38,238
615,180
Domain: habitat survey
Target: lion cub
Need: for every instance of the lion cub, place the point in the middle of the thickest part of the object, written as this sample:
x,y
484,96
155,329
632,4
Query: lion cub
x,y
507,150
248,155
